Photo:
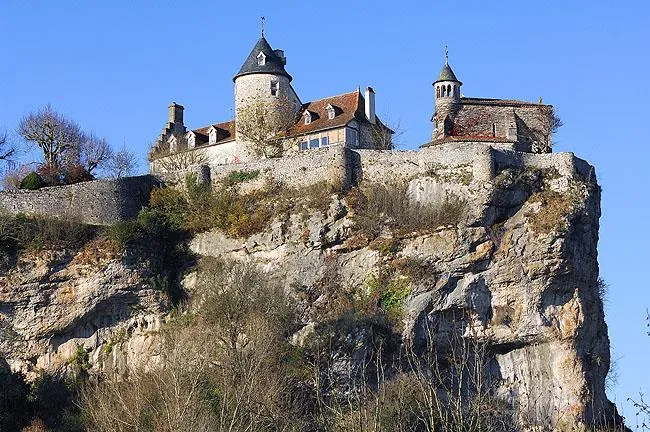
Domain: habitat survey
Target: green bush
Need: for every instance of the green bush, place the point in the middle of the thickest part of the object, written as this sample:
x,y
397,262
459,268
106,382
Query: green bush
x,y
123,233
32,181
237,177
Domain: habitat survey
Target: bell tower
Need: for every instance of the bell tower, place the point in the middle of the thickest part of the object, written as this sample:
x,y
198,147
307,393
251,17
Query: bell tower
x,y
447,100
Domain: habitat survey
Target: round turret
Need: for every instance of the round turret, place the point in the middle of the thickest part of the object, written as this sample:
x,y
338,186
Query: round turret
x,y
447,98
263,78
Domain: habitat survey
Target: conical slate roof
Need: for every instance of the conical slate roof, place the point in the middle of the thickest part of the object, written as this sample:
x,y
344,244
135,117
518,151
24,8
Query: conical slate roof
x,y
273,64
446,74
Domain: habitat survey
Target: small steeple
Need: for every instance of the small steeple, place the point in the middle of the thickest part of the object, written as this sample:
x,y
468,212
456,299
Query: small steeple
x,y
447,74
272,61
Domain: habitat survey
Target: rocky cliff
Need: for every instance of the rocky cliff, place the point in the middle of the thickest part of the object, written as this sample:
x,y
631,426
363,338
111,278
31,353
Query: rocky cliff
x,y
510,264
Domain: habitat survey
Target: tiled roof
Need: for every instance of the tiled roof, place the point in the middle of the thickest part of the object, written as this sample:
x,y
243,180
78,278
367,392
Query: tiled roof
x,y
225,131
498,102
347,107
272,65
470,138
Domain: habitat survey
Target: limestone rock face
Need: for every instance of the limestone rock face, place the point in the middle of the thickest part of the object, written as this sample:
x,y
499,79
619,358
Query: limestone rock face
x,y
519,274
53,304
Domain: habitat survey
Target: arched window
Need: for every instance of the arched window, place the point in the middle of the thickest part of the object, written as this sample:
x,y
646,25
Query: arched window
x,y
437,91
455,90
448,89
442,93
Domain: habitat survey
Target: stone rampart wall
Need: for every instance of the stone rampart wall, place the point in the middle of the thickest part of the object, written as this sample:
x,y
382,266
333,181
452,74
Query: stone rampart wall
x,y
483,161
105,202
99,202
303,169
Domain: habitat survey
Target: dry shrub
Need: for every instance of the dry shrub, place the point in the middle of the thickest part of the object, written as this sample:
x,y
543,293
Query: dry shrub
x,y
35,426
553,211
227,364
377,206
40,232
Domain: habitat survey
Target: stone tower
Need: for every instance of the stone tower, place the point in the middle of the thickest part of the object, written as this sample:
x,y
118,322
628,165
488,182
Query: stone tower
x,y
447,100
263,78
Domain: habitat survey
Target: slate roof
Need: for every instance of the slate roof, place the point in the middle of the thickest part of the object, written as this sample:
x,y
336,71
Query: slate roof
x,y
273,64
446,74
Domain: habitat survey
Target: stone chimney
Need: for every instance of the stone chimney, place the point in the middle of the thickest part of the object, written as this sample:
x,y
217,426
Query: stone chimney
x,y
280,54
370,104
176,117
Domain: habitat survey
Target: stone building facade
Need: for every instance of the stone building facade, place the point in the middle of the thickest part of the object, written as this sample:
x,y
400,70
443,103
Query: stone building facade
x,y
347,120
526,126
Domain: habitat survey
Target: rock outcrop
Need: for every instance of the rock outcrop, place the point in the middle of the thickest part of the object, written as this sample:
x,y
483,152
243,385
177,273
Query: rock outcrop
x,y
519,274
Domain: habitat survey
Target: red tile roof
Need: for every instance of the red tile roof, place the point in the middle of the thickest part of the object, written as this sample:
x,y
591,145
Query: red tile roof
x,y
347,107
225,131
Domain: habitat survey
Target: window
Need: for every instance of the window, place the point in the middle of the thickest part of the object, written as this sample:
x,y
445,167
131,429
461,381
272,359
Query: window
x,y
438,91
313,143
324,141
261,59
191,141
307,117
331,113
213,136
351,137
275,87
304,145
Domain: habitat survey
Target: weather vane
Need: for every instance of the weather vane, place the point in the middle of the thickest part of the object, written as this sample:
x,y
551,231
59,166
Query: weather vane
x,y
446,55
262,25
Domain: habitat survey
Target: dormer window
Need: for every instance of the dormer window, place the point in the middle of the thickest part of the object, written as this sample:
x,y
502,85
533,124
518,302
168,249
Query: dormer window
x,y
275,87
261,59
331,112
191,140
213,136
307,117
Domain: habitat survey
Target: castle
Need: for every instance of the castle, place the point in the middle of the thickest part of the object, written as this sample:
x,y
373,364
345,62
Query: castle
x,y
337,140
348,120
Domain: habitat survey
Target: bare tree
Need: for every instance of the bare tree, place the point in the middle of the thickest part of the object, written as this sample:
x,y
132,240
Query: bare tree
x,y
169,161
385,136
94,152
122,164
549,123
52,133
7,151
265,126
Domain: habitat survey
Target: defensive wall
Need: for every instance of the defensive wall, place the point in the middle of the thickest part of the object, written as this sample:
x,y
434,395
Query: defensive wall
x,y
99,202
104,202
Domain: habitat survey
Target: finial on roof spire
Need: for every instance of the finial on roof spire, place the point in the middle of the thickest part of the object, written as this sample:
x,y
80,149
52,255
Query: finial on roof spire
x,y
262,25
446,55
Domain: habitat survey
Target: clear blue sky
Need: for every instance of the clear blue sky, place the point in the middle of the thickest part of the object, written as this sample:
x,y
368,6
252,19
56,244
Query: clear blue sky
x,y
115,67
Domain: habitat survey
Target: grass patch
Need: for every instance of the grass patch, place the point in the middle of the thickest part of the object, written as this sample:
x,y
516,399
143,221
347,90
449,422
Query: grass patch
x,y
200,207
37,232
236,177
553,211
